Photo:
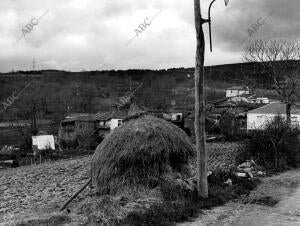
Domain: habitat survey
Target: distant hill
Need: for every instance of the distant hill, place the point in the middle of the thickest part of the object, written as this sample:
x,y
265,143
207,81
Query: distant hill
x,y
54,93
238,72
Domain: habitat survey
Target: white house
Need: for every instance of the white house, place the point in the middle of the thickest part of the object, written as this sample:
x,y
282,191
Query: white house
x,y
43,142
173,116
114,123
262,100
110,120
257,118
237,91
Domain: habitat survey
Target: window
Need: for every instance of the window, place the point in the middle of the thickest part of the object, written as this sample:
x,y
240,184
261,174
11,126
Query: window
x,y
259,119
119,122
294,121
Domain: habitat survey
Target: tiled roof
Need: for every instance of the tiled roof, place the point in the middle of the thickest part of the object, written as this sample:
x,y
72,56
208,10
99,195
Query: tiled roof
x,y
73,115
238,88
274,108
246,95
235,110
119,115
104,116
80,118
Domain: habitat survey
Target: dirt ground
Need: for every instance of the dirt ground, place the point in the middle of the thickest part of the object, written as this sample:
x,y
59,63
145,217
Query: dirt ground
x,y
33,195
34,191
30,191
275,202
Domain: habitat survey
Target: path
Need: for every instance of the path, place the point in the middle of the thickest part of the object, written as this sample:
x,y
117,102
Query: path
x,y
284,187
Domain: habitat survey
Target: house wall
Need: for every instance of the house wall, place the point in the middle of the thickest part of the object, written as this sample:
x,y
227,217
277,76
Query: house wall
x,y
262,100
84,129
72,130
259,121
172,116
176,116
239,99
113,123
234,93
43,142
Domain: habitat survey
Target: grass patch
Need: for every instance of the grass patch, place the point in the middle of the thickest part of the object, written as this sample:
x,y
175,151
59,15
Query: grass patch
x,y
51,221
169,212
266,201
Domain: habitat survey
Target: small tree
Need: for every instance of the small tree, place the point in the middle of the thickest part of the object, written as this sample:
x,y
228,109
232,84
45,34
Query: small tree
x,y
228,125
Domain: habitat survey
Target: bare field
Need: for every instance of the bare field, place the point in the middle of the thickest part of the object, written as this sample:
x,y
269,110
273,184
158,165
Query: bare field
x,y
33,190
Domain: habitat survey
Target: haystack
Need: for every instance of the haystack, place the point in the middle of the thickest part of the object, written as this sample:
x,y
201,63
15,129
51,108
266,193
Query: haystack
x,y
139,152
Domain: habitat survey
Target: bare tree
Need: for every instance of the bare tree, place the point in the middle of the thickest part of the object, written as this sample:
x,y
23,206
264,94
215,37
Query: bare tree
x,y
200,105
278,59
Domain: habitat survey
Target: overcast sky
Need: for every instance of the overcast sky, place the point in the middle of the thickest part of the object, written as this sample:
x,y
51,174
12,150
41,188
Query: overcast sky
x,y
81,35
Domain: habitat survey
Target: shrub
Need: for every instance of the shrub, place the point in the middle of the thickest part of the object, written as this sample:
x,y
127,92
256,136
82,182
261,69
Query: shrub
x,y
276,147
228,126
173,189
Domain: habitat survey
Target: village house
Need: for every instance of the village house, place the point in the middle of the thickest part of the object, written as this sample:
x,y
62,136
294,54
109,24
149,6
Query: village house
x,y
110,120
42,142
75,126
258,118
262,100
175,117
235,91
246,98
249,98
98,125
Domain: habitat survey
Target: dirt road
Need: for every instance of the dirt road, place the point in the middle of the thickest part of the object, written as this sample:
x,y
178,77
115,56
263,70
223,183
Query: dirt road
x,y
283,189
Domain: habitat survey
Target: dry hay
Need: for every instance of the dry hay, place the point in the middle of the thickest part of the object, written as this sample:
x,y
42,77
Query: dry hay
x,y
140,152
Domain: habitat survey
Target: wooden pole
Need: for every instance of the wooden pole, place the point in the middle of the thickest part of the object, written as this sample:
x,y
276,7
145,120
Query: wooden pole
x,y
75,195
200,105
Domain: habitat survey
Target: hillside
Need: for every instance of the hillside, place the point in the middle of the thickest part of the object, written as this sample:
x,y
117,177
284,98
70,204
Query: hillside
x,y
52,93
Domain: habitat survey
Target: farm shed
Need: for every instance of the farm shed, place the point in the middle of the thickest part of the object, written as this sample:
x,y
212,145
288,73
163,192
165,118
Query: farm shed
x,y
76,126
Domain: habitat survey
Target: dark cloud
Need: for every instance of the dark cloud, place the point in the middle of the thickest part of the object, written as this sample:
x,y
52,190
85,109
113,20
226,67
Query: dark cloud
x,y
77,35
241,15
